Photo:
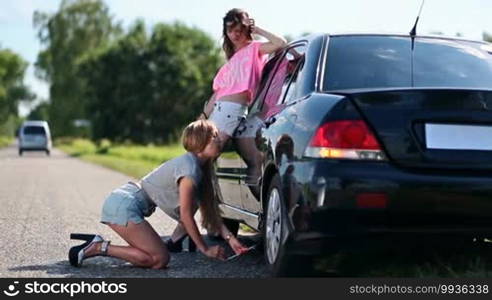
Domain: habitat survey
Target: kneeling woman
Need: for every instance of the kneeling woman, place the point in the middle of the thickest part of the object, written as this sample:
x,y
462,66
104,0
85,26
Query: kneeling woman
x,y
176,187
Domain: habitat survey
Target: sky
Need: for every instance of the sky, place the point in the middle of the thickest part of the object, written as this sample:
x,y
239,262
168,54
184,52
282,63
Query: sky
x,y
285,17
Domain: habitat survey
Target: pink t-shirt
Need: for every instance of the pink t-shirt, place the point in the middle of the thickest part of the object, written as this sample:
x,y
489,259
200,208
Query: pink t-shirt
x,y
241,73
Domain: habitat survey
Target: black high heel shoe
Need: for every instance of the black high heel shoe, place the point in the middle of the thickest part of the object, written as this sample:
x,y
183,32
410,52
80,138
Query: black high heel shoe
x,y
76,255
177,246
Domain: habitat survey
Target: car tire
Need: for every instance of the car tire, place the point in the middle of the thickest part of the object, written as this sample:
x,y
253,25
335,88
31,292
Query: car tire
x,y
48,152
20,152
276,230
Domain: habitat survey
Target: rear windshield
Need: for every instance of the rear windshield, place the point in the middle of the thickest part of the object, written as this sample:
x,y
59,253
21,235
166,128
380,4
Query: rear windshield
x,y
34,130
386,62
452,63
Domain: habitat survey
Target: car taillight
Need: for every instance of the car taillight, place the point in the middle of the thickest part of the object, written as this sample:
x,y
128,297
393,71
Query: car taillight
x,y
347,139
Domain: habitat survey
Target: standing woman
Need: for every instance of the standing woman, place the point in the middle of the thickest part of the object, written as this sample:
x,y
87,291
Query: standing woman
x,y
237,80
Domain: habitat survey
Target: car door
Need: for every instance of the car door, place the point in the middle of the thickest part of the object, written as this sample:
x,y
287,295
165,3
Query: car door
x,y
271,101
230,166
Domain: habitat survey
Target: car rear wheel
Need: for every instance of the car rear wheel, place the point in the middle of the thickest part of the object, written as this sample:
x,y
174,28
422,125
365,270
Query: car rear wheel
x,y
48,152
20,152
275,232
273,225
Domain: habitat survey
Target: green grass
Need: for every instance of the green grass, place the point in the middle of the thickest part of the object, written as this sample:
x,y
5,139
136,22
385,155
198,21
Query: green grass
x,y
5,141
130,167
133,160
147,153
76,147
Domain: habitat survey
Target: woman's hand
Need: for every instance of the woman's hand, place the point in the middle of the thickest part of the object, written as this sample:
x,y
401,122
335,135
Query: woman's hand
x,y
215,252
274,43
251,25
236,246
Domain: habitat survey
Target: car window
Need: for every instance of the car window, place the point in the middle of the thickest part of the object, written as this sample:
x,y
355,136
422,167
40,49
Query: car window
x,y
367,62
34,130
452,63
296,58
267,74
279,83
386,62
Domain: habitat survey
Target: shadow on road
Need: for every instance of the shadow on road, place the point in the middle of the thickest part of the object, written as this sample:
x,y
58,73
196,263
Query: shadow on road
x,y
182,265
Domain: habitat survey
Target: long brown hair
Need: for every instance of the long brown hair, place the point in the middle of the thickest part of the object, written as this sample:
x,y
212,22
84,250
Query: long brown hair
x,y
232,18
196,137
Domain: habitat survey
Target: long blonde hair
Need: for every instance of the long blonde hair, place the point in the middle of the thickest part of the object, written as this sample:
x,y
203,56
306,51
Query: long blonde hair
x,y
196,137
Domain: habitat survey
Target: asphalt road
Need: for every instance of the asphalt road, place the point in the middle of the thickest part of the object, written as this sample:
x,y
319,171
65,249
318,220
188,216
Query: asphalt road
x,y
44,199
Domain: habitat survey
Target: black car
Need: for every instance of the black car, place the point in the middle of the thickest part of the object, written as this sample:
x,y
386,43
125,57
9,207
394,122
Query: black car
x,y
358,136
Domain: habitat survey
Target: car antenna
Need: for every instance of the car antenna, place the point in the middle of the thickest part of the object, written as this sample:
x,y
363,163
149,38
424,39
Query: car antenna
x,y
413,32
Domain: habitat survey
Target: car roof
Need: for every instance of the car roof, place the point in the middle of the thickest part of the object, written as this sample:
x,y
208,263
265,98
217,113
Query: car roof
x,y
35,123
430,36
339,34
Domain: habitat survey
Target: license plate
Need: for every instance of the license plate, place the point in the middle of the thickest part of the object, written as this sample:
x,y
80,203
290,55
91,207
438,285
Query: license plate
x,y
458,137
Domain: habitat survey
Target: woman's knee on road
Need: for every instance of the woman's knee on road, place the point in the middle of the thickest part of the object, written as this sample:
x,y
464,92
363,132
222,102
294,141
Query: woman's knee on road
x,y
160,261
143,259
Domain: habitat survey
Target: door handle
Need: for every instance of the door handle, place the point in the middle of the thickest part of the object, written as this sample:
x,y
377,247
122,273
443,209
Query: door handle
x,y
270,121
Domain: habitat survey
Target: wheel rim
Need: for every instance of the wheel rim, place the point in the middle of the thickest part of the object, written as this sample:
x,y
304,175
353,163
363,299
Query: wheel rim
x,y
273,226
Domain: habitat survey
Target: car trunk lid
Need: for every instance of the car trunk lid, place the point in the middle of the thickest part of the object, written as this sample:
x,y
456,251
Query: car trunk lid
x,y
431,128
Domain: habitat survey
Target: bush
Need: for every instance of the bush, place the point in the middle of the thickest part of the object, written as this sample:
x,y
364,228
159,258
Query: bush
x,y
83,146
5,141
63,141
76,146
147,153
103,146
152,154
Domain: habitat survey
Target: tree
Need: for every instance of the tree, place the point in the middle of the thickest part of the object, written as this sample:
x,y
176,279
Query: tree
x,y
156,85
12,88
69,35
40,112
185,61
487,37
118,86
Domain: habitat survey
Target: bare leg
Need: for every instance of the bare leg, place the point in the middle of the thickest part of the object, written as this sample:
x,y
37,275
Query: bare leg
x,y
146,249
251,156
224,137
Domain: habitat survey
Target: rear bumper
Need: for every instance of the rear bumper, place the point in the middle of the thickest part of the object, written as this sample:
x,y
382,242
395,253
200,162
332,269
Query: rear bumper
x,y
420,204
34,146
34,149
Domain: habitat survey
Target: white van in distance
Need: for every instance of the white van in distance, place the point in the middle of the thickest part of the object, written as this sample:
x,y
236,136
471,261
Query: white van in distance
x,y
35,136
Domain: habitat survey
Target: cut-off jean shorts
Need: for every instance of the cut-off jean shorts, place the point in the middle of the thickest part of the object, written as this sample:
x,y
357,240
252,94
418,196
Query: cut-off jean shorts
x,y
227,115
248,128
127,203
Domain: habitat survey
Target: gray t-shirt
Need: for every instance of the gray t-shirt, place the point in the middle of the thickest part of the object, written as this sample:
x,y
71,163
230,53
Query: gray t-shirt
x,y
161,185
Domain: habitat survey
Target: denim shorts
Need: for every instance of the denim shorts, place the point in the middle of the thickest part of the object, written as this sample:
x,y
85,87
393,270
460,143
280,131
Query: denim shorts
x,y
227,115
127,203
248,128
